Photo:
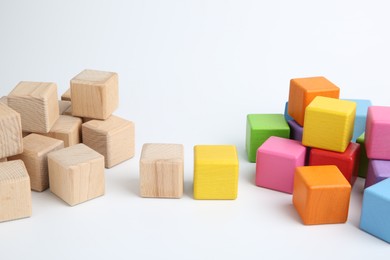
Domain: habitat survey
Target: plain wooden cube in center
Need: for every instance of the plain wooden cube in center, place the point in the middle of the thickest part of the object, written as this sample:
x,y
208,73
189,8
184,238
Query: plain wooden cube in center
x,y
76,174
162,170
94,94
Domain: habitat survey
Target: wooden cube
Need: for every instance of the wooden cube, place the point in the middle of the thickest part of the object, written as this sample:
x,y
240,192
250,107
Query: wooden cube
x,y
76,174
359,127
215,172
260,127
3,159
34,156
276,161
10,132
377,135
37,104
94,94
378,170
64,106
162,170
374,218
329,124
67,129
4,100
304,90
347,162
363,160
15,192
113,138
66,96
296,131
321,195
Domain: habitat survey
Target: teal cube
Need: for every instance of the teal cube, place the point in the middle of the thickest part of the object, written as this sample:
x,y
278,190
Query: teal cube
x,y
375,214
260,127
363,161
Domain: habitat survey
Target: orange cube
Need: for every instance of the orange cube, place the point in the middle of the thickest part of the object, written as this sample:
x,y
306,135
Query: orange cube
x,y
304,90
321,194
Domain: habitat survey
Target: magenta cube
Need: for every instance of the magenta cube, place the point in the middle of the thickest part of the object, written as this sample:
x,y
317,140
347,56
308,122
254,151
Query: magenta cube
x,y
378,170
276,161
377,136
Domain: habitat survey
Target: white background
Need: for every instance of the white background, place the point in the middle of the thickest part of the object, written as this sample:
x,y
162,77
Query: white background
x,y
190,72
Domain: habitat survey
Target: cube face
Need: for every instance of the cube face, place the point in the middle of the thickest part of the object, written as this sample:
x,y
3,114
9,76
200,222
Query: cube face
x,y
260,127
67,129
296,131
37,104
377,135
66,96
276,161
215,172
329,124
321,195
359,127
10,132
34,156
347,162
113,138
15,192
63,106
162,171
375,214
94,94
378,170
363,161
76,174
304,90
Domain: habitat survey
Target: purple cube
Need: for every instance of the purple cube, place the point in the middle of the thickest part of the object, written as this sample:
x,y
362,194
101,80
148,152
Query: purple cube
x,y
378,170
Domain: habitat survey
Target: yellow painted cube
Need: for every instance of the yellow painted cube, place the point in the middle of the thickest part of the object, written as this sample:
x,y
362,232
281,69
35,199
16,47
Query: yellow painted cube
x,y
329,124
215,172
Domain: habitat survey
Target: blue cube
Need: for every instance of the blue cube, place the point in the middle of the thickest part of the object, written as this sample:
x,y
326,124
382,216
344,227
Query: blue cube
x,y
375,216
286,115
361,116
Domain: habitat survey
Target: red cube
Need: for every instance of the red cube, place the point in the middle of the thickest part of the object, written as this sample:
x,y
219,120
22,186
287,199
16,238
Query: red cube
x,y
347,162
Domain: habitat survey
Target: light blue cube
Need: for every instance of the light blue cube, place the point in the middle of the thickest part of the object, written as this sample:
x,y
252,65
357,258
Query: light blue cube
x,y
361,116
375,217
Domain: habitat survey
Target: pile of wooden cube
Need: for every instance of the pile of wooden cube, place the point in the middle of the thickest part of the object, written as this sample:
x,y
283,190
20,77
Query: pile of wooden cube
x,y
62,144
317,149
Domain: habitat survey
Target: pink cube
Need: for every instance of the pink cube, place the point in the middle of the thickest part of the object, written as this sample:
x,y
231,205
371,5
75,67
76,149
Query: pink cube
x,y
276,161
377,136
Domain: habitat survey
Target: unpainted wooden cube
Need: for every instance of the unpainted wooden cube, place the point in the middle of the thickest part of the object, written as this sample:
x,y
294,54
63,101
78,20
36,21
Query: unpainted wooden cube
x,y
37,104
94,94
10,132
76,174
4,100
34,156
162,170
67,129
113,138
64,105
66,96
15,192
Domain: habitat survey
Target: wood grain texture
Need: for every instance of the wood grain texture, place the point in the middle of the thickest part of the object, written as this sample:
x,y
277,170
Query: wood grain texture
x,y
15,192
66,96
34,156
67,129
216,170
113,138
162,170
94,94
63,106
321,195
76,174
4,100
10,132
3,160
37,104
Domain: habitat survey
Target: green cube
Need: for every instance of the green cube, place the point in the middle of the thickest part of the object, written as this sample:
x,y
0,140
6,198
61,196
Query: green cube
x,y
363,161
260,127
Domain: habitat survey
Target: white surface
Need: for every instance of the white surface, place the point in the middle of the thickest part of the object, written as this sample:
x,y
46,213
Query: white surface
x,y
189,73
